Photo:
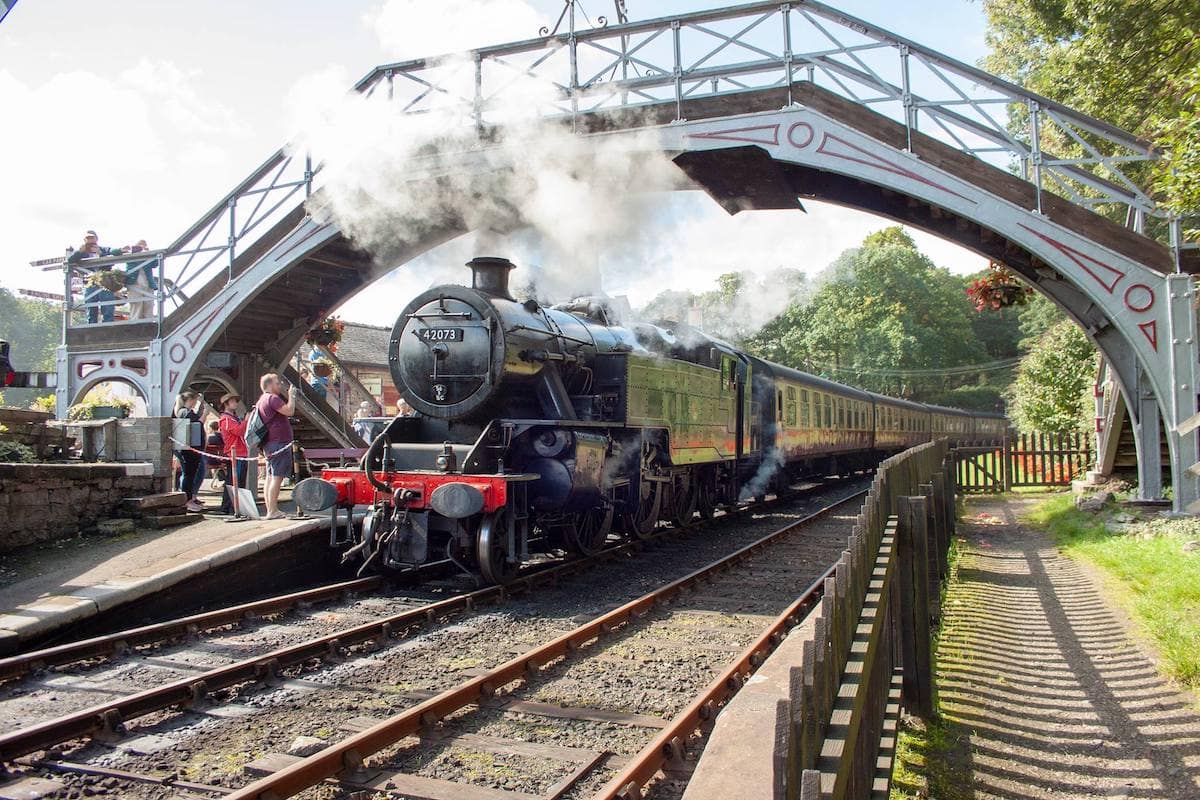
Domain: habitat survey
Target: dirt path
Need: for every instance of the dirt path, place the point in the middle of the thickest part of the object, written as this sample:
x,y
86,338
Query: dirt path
x,y
1055,698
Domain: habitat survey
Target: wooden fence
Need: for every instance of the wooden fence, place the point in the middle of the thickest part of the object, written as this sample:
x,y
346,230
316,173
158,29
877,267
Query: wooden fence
x,y
869,651
1026,459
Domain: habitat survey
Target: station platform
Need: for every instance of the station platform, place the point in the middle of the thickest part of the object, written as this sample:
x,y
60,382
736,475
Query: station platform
x,y
47,589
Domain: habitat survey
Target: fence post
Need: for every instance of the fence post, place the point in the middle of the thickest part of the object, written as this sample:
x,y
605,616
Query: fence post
x,y
810,785
937,562
950,499
915,587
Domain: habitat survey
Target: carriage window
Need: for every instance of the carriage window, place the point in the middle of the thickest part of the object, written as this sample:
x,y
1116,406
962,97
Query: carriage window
x,y
804,414
791,406
779,405
841,413
828,411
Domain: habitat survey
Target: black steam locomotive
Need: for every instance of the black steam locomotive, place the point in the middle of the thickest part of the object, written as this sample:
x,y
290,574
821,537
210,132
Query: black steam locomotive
x,y
543,428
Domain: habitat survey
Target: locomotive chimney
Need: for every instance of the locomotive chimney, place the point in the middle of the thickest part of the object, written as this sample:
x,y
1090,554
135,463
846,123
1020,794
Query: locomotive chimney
x,y
489,274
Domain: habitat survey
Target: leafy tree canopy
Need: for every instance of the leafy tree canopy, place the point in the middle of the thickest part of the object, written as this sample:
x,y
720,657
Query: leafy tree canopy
x,y
881,309
740,305
1052,389
34,329
1134,63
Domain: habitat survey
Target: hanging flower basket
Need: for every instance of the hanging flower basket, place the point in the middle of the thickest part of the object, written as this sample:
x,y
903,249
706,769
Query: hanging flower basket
x,y
327,333
106,279
998,289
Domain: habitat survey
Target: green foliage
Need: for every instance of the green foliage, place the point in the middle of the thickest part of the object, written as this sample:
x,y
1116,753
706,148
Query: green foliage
x,y
881,309
1034,319
46,403
1052,389
97,398
1148,573
1178,135
34,329
740,305
969,398
15,452
1132,63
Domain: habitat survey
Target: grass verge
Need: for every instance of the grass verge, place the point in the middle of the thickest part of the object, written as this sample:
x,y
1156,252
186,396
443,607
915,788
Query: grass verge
x,y
1147,572
933,758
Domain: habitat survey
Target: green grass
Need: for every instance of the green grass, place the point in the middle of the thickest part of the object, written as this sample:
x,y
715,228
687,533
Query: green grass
x,y
1147,572
933,758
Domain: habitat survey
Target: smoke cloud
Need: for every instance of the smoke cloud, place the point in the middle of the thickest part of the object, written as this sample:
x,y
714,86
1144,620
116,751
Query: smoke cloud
x,y
529,188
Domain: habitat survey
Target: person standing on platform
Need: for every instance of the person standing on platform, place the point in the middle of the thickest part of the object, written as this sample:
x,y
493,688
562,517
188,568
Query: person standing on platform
x,y
189,458
275,407
233,436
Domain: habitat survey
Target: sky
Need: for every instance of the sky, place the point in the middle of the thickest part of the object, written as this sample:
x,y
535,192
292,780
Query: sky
x,y
133,117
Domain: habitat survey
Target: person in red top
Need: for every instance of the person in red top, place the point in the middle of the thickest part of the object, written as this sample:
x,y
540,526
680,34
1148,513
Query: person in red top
x,y
233,444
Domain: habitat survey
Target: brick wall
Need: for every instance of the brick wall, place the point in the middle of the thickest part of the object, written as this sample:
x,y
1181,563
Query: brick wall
x,y
46,502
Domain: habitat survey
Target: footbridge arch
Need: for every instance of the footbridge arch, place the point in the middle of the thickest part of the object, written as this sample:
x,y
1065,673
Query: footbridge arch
x,y
861,117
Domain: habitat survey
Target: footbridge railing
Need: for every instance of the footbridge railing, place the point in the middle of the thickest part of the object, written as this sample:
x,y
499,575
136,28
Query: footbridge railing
x,y
770,45
673,65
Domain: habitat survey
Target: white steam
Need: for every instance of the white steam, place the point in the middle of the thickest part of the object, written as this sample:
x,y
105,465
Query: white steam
x,y
530,188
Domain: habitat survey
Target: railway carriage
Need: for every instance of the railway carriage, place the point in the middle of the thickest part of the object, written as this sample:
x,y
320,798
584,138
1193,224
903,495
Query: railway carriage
x,y
548,428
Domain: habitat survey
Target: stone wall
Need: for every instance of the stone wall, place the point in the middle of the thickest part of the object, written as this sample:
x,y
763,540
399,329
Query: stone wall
x,y
138,439
147,439
46,502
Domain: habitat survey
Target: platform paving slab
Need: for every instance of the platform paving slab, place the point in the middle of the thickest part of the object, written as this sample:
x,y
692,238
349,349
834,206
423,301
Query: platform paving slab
x,y
1056,696
57,587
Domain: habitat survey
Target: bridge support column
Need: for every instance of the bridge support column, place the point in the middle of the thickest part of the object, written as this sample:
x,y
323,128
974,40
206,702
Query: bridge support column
x,y
1184,363
62,392
1147,425
156,400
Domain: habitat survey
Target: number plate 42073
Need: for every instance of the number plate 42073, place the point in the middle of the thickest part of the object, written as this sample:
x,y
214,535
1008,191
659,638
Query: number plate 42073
x,y
441,335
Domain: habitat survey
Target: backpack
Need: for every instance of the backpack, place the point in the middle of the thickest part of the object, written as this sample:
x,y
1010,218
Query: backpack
x,y
256,429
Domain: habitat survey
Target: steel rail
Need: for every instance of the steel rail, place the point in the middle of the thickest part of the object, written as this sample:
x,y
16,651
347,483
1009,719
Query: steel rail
x,y
669,744
193,690
348,756
117,642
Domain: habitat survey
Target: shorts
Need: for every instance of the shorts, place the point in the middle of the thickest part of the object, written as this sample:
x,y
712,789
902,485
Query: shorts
x,y
279,464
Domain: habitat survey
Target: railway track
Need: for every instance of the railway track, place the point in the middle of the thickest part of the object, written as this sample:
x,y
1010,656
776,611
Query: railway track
x,y
194,626
667,613
110,717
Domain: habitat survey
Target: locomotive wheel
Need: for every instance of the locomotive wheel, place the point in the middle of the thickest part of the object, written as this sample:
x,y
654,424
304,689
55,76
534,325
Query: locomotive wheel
x,y
491,549
640,522
587,532
683,505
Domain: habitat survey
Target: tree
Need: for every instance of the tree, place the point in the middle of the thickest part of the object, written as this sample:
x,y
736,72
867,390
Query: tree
x,y
34,329
741,304
1133,63
881,309
1052,389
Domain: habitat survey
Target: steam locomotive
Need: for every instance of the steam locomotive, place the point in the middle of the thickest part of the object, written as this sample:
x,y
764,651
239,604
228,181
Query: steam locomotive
x,y
546,428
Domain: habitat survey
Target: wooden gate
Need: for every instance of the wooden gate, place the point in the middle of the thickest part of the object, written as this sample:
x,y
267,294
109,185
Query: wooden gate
x,y
1026,459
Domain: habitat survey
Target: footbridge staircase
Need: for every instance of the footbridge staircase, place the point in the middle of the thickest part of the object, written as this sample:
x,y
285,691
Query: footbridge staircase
x,y
760,105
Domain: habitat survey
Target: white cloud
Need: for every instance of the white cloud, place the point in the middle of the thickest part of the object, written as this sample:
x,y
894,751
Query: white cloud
x,y
110,153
